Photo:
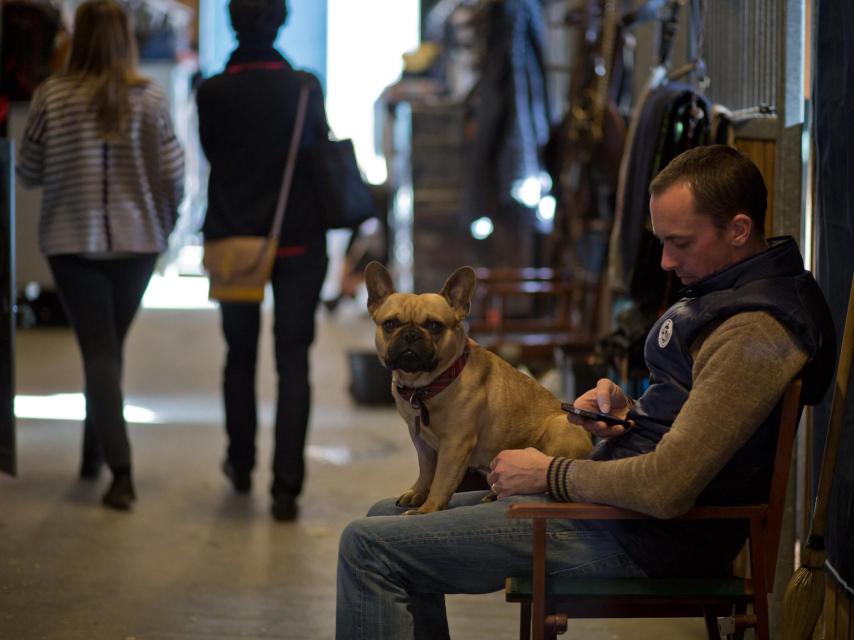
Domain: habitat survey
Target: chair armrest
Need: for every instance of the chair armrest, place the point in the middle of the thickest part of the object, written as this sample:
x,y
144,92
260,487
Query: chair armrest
x,y
579,511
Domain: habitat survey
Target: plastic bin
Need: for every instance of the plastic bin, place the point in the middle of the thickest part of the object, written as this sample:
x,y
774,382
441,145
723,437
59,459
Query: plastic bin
x,y
370,381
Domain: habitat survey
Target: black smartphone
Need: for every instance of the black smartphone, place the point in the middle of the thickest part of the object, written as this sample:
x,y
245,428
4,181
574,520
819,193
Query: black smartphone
x,y
595,415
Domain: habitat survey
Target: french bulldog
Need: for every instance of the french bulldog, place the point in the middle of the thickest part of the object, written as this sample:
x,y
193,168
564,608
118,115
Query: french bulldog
x,y
463,404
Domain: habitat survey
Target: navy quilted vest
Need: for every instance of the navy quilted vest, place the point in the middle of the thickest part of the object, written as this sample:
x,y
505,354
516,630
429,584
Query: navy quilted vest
x,y
775,282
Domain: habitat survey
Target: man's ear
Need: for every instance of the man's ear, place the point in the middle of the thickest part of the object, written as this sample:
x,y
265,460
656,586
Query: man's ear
x,y
379,284
458,290
741,227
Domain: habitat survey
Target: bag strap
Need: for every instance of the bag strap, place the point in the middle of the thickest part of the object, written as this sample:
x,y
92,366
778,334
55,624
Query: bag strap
x,y
287,178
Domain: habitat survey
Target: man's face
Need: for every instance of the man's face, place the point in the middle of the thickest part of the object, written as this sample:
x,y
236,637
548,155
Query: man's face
x,y
692,246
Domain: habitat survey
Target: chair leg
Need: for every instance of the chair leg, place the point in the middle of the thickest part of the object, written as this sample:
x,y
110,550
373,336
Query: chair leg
x,y
763,630
711,619
525,621
760,586
539,606
555,623
740,610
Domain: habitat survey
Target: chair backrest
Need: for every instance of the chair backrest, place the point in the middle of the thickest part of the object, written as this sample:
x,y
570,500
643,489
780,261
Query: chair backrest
x,y
790,414
511,300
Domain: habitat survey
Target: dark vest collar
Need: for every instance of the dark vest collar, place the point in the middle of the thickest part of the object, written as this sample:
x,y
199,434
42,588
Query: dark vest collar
x,y
249,53
417,396
781,259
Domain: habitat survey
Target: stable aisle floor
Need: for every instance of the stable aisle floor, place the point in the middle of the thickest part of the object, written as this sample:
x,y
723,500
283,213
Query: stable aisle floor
x,y
193,560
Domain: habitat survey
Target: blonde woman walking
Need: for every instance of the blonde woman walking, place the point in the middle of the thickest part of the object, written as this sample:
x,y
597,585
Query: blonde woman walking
x,y
100,142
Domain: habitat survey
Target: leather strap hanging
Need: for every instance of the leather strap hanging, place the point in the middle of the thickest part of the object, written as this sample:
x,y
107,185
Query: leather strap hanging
x,y
288,176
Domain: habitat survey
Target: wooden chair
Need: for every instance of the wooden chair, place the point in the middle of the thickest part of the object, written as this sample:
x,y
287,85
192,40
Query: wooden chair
x,y
547,603
527,314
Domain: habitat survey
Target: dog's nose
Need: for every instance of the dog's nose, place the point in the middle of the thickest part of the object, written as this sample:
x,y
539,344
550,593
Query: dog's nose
x,y
411,335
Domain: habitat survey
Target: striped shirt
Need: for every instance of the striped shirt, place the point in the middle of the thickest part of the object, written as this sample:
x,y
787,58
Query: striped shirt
x,y
101,197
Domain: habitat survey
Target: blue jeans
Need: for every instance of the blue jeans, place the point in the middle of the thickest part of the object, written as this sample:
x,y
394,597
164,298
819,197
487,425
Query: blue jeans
x,y
394,570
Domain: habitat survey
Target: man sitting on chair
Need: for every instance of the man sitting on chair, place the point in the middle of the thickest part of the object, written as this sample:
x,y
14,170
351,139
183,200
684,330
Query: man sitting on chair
x,y
751,319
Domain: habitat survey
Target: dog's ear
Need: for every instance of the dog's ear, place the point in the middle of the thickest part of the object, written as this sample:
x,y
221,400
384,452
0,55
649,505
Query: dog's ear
x,y
458,290
379,284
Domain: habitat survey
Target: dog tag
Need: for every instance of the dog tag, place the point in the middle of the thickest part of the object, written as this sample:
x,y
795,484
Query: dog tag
x,y
419,406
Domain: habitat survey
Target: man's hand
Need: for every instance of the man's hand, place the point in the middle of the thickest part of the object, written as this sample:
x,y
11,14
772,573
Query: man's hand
x,y
606,397
518,471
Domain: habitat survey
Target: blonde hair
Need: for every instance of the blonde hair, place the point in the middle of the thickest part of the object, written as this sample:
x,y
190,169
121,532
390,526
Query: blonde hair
x,y
103,56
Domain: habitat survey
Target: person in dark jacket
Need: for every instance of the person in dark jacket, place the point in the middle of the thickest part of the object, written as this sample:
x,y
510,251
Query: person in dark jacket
x,y
246,120
750,320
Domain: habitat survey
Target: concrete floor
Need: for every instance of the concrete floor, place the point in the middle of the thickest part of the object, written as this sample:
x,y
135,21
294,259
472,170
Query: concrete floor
x,y
193,560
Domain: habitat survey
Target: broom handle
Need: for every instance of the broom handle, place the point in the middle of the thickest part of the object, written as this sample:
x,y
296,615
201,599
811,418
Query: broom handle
x,y
818,525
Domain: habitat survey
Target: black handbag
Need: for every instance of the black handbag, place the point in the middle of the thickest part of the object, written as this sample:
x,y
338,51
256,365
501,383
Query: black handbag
x,y
343,198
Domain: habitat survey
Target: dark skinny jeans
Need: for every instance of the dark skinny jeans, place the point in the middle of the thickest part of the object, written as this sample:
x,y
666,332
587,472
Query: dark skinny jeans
x,y
101,298
296,281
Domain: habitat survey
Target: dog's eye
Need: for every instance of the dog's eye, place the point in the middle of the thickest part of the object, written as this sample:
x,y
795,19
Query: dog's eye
x,y
435,327
391,325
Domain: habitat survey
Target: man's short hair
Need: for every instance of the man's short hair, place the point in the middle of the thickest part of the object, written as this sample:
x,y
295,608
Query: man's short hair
x,y
257,20
722,180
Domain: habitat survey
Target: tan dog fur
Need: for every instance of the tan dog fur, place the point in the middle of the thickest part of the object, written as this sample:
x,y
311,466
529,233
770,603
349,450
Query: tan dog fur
x,y
489,407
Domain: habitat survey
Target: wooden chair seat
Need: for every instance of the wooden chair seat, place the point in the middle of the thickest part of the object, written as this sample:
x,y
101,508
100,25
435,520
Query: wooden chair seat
x,y
688,589
547,601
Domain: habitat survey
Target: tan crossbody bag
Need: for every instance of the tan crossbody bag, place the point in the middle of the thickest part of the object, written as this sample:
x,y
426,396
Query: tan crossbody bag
x,y
239,267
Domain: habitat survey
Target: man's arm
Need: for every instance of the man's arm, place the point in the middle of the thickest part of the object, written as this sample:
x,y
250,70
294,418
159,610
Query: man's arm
x,y
605,397
519,472
740,372
526,471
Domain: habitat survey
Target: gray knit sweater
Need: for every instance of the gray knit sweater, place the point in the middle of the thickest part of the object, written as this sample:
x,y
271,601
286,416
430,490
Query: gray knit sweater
x,y
101,197
741,369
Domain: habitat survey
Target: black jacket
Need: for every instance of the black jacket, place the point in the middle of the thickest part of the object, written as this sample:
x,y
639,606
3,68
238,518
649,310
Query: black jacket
x,y
246,120
511,119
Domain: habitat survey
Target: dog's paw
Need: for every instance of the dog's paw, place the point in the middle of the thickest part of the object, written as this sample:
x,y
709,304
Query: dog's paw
x,y
425,509
411,498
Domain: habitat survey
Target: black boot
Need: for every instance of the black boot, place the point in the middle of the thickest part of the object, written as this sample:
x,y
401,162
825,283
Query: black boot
x,y
93,458
240,480
284,507
90,466
121,494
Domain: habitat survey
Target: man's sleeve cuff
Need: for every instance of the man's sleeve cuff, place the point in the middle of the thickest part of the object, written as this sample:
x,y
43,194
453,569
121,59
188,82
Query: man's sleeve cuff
x,y
556,477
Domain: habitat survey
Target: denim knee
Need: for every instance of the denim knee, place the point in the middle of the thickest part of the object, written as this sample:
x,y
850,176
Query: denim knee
x,y
386,507
356,541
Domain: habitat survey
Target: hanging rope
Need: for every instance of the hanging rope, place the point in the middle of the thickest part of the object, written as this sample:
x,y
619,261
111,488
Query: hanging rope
x,y
698,43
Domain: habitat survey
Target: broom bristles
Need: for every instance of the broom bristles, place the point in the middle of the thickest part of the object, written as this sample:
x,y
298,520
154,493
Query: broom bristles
x,y
802,603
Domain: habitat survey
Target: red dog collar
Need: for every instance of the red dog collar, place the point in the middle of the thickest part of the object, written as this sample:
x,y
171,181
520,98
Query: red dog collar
x,y
417,396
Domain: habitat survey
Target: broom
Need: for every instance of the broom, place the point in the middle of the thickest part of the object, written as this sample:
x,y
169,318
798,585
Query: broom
x,y
804,597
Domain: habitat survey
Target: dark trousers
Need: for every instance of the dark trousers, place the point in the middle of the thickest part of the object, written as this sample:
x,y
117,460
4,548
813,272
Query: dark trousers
x,y
101,298
296,284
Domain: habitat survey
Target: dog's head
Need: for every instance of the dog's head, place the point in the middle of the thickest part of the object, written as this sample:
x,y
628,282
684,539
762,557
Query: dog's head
x,y
419,336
